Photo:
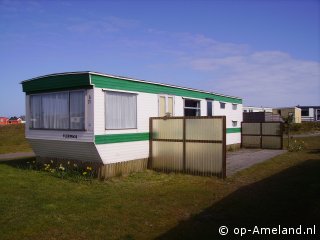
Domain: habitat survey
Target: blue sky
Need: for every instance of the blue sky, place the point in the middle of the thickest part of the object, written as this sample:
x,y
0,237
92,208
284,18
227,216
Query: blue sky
x,y
267,52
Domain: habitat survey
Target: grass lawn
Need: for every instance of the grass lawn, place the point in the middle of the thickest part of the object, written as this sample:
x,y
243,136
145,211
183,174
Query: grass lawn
x,y
148,205
12,139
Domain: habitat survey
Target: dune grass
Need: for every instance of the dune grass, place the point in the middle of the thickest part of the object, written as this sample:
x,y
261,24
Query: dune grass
x,y
12,139
149,205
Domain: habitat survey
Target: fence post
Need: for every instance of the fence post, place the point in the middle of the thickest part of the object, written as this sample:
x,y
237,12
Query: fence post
x,y
184,144
241,135
260,134
149,165
224,148
281,130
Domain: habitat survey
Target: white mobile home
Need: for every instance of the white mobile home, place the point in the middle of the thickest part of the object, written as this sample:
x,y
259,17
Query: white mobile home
x,y
90,116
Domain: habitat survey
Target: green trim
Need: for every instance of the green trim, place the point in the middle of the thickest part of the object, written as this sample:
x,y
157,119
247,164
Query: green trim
x,y
118,138
82,80
57,82
123,84
133,137
233,130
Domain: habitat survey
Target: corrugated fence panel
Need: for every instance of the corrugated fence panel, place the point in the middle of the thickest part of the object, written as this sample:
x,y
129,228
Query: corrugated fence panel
x,y
204,158
204,129
167,156
194,145
167,129
271,142
262,135
251,141
271,128
250,128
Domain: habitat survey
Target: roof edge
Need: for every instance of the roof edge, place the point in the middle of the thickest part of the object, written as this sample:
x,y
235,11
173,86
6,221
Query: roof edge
x,y
162,84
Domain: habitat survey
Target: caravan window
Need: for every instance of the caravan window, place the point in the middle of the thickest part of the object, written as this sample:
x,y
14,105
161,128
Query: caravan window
x,y
120,110
165,105
191,107
59,111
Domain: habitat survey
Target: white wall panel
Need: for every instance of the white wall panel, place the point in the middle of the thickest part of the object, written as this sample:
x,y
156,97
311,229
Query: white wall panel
x,y
81,151
119,152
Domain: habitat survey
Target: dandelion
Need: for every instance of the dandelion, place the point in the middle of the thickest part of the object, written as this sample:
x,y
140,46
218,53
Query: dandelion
x,y
84,173
89,168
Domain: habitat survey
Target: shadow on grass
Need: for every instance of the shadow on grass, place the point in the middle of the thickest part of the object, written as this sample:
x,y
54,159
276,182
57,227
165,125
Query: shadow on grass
x,y
19,162
289,198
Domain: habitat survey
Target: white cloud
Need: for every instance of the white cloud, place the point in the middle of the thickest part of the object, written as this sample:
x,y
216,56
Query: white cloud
x,y
270,78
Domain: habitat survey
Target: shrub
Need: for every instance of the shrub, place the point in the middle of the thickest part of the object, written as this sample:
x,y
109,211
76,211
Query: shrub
x,y
296,146
70,171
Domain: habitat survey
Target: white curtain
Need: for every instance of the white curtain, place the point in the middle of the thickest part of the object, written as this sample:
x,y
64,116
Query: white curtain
x,y
55,110
121,110
35,111
77,110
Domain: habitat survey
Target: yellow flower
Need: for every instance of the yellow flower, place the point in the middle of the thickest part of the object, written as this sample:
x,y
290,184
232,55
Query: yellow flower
x,y
84,173
89,168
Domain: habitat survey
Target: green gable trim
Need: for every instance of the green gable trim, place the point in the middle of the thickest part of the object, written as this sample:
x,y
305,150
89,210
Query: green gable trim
x,y
118,138
133,137
123,84
57,82
233,130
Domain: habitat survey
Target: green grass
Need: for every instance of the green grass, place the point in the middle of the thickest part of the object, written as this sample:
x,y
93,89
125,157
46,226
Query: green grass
x,y
305,127
148,205
12,139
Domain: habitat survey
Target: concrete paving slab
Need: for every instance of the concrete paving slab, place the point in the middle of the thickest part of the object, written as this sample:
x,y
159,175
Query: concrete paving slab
x,y
10,156
246,158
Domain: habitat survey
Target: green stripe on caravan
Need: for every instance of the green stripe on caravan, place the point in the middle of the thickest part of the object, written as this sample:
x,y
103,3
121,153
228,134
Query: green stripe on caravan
x,y
133,137
55,82
118,138
233,130
123,84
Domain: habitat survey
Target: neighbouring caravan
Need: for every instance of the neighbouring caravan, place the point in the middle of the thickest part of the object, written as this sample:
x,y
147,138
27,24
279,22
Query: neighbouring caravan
x,y
89,116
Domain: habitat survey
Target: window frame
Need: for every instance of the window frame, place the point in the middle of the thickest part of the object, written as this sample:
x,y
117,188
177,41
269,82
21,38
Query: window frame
x,y
166,96
105,110
234,106
209,102
304,111
224,105
192,108
236,123
59,129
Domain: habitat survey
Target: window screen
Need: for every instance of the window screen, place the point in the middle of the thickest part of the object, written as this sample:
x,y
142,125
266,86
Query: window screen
x,y
35,111
55,110
77,110
121,110
60,110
